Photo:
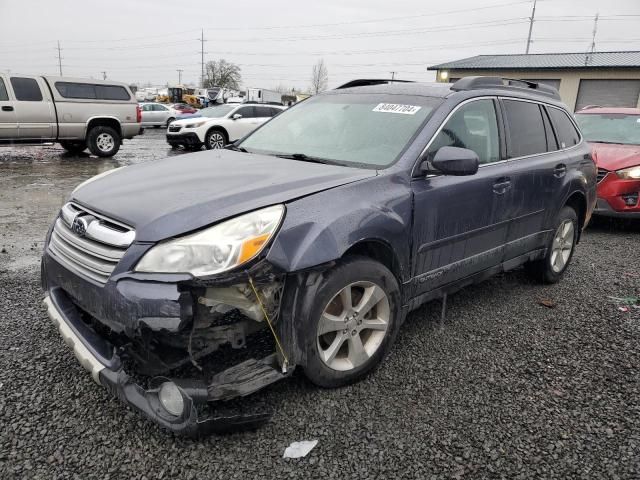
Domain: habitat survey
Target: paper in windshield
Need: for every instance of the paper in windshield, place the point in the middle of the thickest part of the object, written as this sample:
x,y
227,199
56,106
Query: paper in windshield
x,y
397,108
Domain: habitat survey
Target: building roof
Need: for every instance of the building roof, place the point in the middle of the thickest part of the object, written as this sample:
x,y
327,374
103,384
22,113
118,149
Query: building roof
x,y
541,61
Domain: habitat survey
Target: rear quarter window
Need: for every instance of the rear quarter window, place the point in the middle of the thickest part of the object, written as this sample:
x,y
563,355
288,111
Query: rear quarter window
x,y
26,89
566,131
4,96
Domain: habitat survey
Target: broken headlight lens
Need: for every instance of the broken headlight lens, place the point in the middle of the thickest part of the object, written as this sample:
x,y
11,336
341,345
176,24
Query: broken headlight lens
x,y
216,249
631,173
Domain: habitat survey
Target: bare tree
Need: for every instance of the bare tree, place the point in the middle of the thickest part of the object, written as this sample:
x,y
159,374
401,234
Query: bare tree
x,y
319,77
222,74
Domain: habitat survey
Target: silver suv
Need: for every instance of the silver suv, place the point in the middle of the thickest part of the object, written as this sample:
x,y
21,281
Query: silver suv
x,y
77,113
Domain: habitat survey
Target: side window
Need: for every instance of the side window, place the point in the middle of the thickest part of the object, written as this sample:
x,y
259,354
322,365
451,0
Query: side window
x,y
159,108
147,108
568,136
275,111
76,90
246,112
526,128
552,143
112,92
26,89
473,126
4,96
263,112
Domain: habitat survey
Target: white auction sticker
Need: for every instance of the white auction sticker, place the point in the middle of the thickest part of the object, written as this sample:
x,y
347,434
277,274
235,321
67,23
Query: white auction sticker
x,y
397,108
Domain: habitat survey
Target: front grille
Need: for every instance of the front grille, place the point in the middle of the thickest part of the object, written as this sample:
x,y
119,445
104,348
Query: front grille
x,y
174,129
601,174
95,252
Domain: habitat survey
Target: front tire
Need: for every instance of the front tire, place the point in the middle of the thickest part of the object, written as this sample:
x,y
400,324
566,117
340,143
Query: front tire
x,y
169,120
215,139
559,250
103,141
353,322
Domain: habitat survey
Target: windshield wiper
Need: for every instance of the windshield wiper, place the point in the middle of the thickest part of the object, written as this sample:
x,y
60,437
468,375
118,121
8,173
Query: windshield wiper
x,y
303,157
236,148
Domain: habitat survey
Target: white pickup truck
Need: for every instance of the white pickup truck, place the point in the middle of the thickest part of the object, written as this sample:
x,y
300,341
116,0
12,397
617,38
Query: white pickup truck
x,y
77,113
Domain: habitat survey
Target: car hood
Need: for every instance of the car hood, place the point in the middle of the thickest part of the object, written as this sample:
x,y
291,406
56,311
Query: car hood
x,y
183,193
615,156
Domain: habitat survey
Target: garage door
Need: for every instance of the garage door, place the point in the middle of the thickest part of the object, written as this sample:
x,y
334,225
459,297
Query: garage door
x,y
608,93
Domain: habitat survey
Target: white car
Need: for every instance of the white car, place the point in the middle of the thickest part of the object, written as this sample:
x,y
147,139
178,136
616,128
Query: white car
x,y
217,126
157,115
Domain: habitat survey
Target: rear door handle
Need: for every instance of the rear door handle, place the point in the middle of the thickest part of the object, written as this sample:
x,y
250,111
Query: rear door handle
x,y
560,170
501,186
7,108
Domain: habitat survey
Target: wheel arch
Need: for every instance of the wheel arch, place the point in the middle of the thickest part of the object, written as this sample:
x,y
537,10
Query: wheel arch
x,y
217,127
578,201
111,122
380,251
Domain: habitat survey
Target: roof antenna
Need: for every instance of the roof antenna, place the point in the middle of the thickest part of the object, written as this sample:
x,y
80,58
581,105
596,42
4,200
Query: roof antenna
x,y
593,39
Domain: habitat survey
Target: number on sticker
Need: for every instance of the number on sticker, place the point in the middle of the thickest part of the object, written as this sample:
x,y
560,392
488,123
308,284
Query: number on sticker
x,y
397,108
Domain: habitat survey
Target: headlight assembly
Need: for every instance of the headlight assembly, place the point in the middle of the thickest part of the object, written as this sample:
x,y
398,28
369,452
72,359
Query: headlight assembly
x,y
631,173
195,124
215,249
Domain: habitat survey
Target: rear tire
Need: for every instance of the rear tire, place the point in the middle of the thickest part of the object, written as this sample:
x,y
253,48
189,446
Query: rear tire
x,y
559,249
73,147
346,335
103,141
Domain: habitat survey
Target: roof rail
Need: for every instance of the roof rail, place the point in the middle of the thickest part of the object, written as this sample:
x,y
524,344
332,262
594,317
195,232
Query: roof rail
x,y
363,82
476,83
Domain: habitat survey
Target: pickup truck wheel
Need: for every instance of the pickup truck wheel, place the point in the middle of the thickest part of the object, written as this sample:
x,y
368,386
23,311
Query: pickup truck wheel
x,y
215,139
103,141
352,323
74,147
559,250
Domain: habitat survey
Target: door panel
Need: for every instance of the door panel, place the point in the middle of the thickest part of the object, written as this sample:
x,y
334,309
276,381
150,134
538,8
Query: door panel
x,y
243,126
34,110
8,122
460,224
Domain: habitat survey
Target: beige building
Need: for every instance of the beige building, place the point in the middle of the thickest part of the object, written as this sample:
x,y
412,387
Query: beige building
x,y
600,78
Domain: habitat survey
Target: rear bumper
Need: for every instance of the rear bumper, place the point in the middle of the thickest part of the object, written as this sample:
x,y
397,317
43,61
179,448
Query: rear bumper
x,y
99,358
188,138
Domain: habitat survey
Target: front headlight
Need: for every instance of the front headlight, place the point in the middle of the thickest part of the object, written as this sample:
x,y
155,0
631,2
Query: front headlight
x,y
631,173
216,249
195,124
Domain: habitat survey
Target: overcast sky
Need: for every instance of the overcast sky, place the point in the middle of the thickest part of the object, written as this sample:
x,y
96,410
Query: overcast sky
x,y
276,42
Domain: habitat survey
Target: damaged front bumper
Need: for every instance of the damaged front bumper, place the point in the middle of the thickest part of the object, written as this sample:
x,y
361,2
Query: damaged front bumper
x,y
152,309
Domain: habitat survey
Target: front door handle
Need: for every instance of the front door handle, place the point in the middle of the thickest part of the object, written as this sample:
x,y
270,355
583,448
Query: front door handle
x,y
560,170
501,186
7,108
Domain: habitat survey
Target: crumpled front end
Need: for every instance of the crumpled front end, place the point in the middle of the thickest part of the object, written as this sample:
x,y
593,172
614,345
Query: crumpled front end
x,y
168,345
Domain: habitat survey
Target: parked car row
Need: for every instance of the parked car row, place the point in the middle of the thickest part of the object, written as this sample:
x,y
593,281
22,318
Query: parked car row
x,y
321,229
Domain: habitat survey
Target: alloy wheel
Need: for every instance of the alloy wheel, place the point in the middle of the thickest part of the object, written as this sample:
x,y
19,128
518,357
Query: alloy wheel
x,y
353,325
216,140
105,142
562,246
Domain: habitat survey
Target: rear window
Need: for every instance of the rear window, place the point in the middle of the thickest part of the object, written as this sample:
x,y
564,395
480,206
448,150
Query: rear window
x,y
566,131
3,91
89,91
26,89
526,128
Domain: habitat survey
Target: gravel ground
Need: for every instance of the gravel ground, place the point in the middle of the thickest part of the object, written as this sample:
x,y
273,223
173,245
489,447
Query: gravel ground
x,y
507,388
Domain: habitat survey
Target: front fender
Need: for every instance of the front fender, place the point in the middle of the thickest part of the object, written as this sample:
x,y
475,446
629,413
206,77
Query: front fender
x,y
321,227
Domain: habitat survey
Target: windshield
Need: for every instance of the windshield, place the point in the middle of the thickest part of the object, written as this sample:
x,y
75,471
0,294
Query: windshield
x,y
216,112
619,128
363,129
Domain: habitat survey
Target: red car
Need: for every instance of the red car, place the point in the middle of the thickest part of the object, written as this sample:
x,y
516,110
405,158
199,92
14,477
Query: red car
x,y
614,135
183,108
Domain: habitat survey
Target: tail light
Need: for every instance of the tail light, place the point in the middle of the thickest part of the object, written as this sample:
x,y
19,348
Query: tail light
x,y
138,114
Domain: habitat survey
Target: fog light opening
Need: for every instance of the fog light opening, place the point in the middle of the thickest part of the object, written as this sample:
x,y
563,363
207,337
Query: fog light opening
x,y
631,199
171,398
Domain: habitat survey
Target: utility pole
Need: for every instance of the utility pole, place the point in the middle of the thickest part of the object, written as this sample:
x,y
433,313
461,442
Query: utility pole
x,y
393,76
59,59
104,75
531,20
179,70
202,40
595,30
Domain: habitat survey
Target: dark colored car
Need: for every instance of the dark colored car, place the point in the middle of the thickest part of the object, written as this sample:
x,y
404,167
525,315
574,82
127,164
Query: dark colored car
x,y
311,239
614,135
184,108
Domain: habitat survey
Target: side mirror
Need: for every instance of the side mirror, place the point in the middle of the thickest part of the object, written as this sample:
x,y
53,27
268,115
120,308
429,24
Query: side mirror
x,y
453,161
236,116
